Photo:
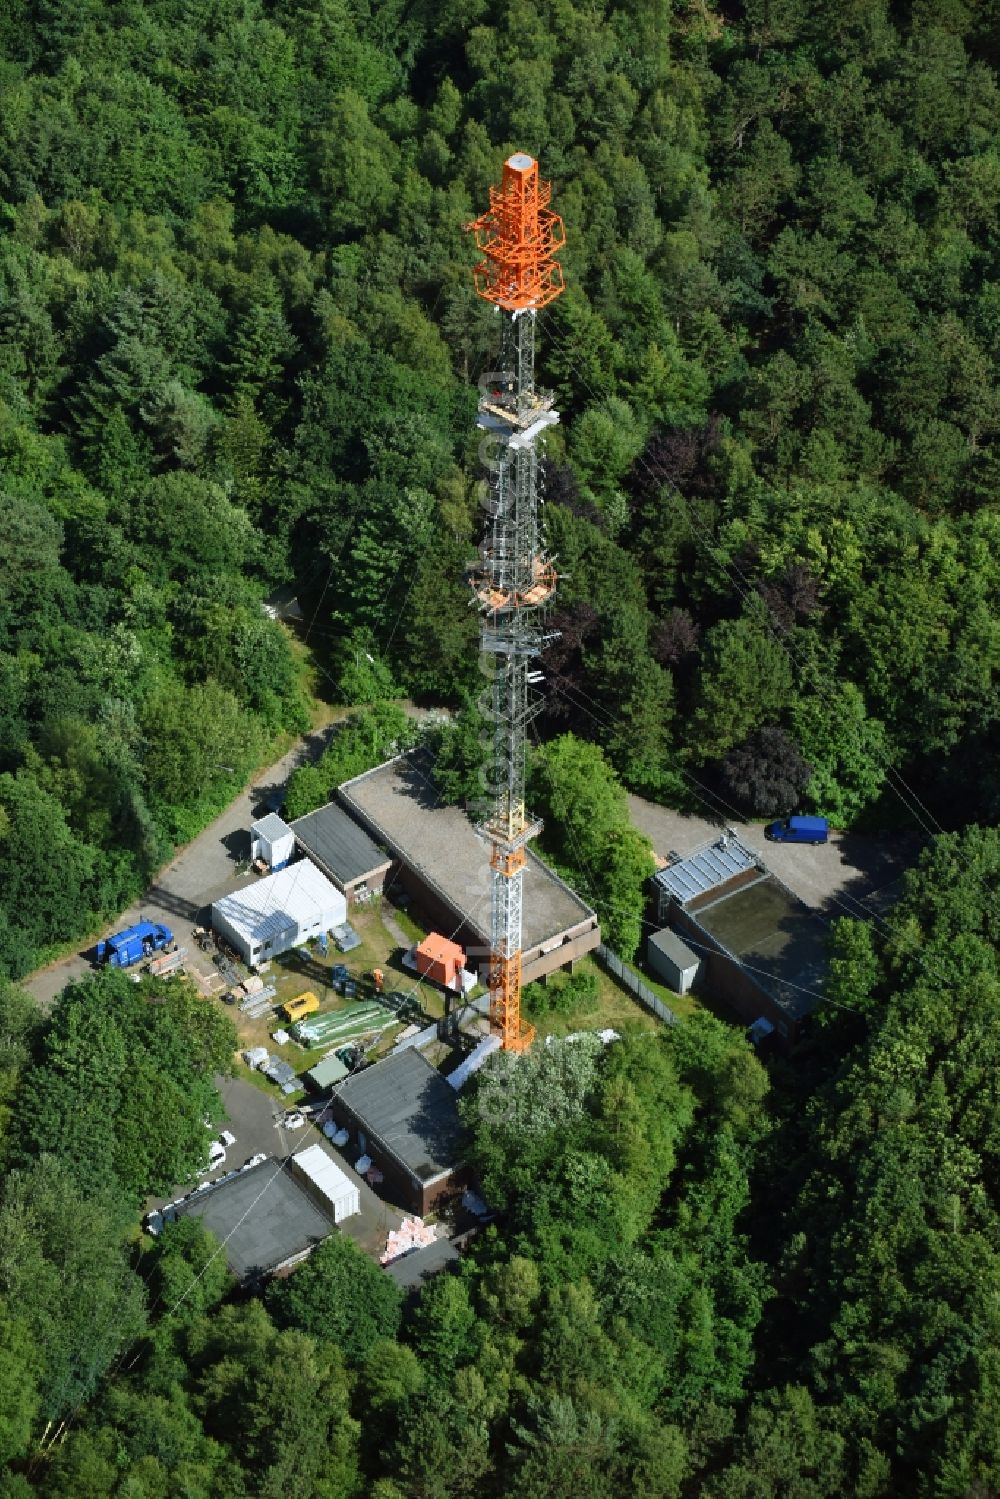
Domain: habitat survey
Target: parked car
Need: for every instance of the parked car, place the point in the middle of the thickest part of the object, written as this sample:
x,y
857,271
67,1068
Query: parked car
x,y
798,830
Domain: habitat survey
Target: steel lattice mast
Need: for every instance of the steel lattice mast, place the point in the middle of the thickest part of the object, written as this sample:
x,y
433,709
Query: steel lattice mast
x,y
513,580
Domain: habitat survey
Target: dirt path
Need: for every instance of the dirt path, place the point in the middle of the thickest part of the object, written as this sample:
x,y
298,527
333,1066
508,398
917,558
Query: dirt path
x,y
209,867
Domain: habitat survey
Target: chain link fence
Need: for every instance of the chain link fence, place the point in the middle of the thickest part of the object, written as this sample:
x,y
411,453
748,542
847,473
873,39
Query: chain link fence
x,y
631,981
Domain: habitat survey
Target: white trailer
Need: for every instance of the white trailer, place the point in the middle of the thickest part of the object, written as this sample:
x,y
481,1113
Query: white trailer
x,y
321,1175
279,912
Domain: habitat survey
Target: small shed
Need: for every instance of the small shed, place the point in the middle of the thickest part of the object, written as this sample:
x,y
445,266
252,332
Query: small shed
x,y
273,841
325,1182
326,1073
279,912
672,960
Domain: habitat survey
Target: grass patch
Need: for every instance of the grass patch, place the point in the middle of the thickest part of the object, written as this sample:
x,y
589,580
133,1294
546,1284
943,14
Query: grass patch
x,y
293,973
413,929
603,1005
681,1004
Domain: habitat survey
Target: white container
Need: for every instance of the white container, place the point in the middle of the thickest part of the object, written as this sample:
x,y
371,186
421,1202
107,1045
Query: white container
x,y
281,911
339,1195
273,841
672,961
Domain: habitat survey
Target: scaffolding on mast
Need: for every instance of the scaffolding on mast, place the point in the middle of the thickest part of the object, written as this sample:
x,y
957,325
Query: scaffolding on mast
x,y
513,580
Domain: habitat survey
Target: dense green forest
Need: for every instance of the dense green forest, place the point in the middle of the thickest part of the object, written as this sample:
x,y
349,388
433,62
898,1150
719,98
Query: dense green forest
x,y
239,345
703,1279
239,348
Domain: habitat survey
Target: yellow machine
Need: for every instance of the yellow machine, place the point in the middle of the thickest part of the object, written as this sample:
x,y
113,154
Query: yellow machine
x,y
303,1004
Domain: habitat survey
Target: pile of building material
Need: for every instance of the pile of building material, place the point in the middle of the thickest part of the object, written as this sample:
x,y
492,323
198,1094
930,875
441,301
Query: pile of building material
x,y
412,1233
254,997
251,986
166,963
338,1026
254,1009
281,1073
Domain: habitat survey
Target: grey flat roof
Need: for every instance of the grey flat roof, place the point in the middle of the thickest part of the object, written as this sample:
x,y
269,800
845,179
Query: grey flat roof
x,y
674,948
331,836
263,1215
408,1107
781,942
271,827
441,845
705,869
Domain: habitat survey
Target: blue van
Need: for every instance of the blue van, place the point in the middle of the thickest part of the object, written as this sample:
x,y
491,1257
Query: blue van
x,y
799,830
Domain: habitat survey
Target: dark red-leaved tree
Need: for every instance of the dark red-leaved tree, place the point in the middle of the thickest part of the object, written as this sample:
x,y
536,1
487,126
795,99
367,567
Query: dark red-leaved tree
x,y
767,775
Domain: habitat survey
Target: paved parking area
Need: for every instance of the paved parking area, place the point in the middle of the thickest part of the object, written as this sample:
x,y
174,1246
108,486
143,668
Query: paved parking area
x,y
251,1115
854,874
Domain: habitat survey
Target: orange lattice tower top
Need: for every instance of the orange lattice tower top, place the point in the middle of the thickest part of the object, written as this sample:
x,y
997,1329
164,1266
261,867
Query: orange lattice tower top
x,y
519,237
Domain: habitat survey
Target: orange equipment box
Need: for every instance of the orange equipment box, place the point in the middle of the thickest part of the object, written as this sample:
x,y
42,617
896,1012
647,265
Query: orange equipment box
x,y
438,959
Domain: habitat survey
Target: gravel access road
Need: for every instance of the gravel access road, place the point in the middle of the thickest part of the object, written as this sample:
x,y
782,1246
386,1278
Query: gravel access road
x,y
209,867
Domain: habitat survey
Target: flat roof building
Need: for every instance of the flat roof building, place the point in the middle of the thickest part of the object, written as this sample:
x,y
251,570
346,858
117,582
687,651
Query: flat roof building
x,y
264,1217
403,1114
761,948
340,847
445,861
276,913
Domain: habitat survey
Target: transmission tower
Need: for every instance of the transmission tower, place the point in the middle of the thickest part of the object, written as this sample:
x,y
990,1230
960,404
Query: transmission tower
x,y
513,580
